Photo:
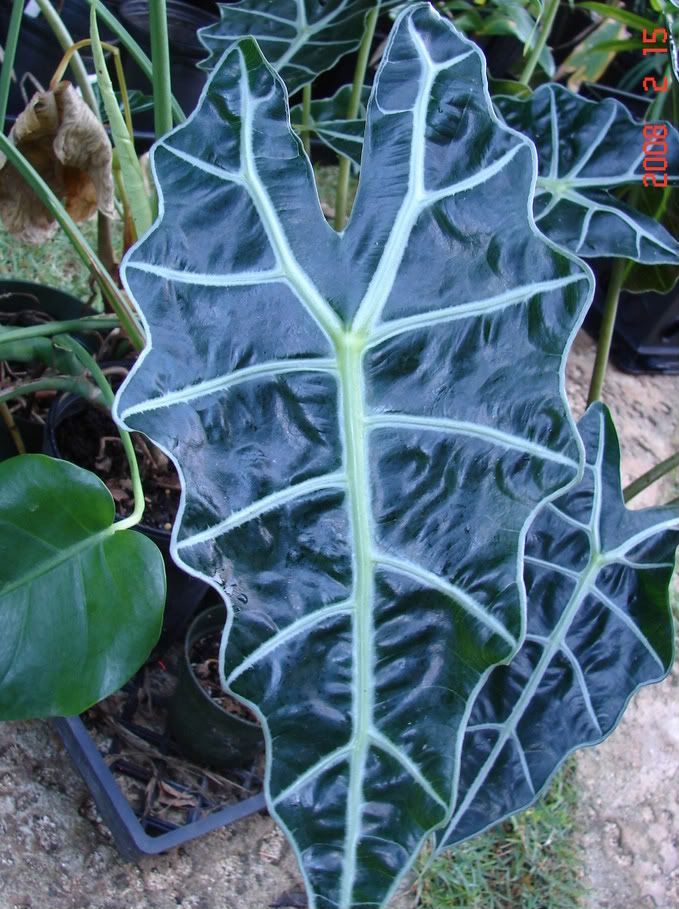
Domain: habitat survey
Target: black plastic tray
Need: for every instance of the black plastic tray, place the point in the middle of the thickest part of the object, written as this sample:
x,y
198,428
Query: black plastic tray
x,y
146,829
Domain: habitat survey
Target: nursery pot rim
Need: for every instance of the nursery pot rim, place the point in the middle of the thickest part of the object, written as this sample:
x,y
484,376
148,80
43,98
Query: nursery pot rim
x,y
63,403
206,616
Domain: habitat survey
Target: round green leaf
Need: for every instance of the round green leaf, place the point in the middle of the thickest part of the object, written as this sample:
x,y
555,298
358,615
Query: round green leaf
x,y
80,605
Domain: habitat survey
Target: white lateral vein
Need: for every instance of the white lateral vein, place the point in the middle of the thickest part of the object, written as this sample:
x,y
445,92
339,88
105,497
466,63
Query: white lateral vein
x,y
552,566
385,744
582,683
334,757
229,176
523,761
476,430
238,376
461,597
266,504
203,279
466,310
629,622
594,207
288,633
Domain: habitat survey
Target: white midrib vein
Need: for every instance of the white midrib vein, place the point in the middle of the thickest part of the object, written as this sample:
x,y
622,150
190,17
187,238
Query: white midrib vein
x,y
349,350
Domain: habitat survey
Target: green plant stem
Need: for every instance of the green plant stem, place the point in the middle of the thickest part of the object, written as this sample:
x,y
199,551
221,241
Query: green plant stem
x,y
64,38
120,305
54,383
606,332
651,476
160,60
90,323
12,428
105,243
102,384
134,50
544,30
121,132
10,50
306,117
352,112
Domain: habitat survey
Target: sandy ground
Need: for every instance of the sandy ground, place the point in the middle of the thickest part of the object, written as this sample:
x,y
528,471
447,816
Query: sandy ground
x,y
53,852
630,783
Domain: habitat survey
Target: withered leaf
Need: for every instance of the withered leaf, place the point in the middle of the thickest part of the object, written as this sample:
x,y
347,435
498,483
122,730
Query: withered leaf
x,y
65,142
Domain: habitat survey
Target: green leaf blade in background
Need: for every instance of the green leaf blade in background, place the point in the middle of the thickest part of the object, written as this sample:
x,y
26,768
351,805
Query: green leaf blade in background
x,y
330,124
81,604
599,627
586,150
357,455
300,38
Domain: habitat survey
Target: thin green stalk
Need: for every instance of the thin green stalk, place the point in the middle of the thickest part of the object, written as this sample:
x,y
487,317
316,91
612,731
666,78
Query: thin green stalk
x,y
105,243
352,112
306,117
64,38
651,476
87,42
12,428
134,50
544,31
101,381
47,329
54,383
118,302
10,50
121,132
160,60
606,332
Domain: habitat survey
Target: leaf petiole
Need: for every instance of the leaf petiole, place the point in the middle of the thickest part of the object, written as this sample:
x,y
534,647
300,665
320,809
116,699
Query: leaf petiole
x,y
100,380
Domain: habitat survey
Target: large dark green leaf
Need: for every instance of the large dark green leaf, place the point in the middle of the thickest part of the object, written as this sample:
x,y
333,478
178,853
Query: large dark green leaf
x,y
80,604
599,627
585,150
300,38
364,423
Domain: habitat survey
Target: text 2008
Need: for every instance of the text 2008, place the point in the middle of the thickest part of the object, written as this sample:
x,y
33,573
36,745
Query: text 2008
x,y
655,134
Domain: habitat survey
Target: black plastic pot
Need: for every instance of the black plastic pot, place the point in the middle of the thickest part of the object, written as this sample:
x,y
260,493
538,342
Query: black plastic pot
x,y
16,296
39,52
184,592
203,730
183,21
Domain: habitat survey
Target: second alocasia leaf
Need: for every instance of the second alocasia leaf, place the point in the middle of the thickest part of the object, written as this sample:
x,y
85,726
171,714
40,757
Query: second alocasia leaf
x,y
599,627
364,423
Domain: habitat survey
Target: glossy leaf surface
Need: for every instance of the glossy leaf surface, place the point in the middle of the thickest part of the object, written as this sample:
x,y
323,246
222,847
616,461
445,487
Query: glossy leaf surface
x,y
357,453
80,605
585,150
599,627
300,38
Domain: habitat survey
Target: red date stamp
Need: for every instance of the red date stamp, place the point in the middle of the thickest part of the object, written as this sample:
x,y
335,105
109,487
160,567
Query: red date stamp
x,y
655,134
